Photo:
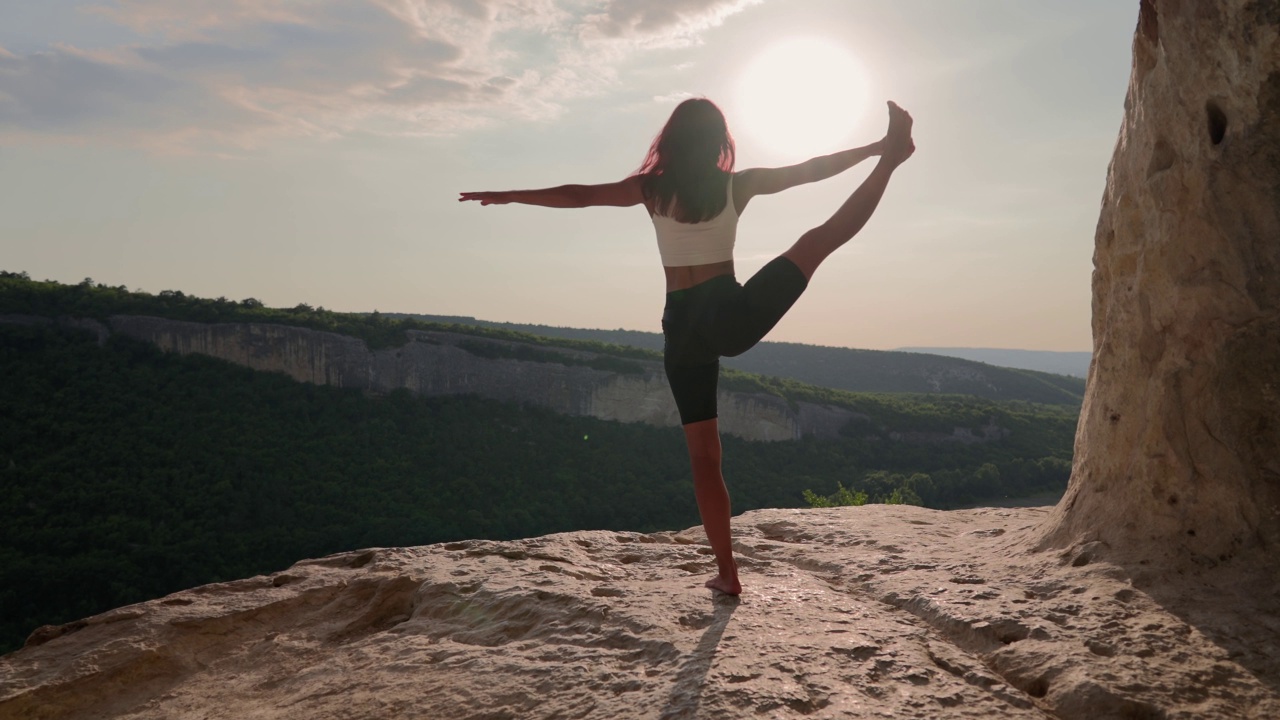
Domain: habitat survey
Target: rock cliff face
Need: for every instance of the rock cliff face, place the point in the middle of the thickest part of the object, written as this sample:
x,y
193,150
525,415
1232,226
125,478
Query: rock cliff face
x,y
568,381
868,612
443,363
1178,451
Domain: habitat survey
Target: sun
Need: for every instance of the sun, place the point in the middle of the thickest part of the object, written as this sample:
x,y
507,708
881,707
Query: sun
x,y
801,97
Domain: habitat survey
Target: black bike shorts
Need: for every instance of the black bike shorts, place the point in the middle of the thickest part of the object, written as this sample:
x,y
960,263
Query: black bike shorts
x,y
721,318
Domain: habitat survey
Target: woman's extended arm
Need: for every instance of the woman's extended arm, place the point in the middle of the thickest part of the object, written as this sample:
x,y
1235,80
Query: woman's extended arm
x,y
619,194
767,181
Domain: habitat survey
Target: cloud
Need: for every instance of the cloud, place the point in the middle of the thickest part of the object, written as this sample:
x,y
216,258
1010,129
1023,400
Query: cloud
x,y
206,74
673,98
64,88
660,22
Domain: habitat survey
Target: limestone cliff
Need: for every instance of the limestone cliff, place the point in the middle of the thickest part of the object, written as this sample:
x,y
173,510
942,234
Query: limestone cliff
x,y
444,363
433,363
574,382
1178,451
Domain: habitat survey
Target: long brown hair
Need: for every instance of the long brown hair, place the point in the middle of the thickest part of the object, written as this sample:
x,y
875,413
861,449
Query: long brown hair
x,y
689,162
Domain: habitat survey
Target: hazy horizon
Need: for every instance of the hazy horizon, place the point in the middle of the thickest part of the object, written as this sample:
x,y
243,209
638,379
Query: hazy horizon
x,y
313,153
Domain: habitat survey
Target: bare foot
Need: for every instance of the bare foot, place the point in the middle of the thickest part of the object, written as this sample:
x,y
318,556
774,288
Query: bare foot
x,y
897,145
728,586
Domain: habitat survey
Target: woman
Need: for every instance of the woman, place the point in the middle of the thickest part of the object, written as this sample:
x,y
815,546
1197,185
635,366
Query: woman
x,y
694,197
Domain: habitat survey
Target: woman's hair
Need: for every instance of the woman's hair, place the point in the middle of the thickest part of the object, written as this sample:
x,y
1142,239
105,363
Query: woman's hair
x,y
686,169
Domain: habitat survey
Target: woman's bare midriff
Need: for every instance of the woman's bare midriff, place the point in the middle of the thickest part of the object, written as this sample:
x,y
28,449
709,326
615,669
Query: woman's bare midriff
x,y
683,278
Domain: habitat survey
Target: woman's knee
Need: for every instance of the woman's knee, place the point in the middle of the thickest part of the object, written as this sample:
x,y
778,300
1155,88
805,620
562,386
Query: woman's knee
x,y
810,250
703,439
705,455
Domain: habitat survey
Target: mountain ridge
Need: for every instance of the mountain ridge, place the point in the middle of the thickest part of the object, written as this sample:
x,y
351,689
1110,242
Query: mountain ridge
x,y
859,371
850,369
1070,363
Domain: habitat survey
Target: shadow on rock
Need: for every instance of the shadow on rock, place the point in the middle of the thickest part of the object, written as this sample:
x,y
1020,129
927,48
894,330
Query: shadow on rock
x,y
686,691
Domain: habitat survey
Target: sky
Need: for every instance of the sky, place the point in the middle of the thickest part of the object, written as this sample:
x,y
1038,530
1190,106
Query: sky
x,y
312,151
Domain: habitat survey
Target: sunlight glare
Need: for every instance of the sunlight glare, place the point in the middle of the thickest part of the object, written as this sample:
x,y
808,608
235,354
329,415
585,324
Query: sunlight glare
x,y
800,97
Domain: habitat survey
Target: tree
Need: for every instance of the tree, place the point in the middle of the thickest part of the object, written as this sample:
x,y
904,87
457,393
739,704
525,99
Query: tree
x,y
903,496
842,497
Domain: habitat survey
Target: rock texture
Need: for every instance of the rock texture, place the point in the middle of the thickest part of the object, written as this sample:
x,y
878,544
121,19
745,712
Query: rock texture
x,y
869,612
1177,455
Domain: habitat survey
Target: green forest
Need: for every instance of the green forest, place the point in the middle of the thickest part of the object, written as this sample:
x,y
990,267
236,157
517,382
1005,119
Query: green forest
x,y
127,473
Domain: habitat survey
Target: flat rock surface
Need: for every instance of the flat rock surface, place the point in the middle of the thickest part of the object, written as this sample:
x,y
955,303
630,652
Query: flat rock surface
x,y
867,612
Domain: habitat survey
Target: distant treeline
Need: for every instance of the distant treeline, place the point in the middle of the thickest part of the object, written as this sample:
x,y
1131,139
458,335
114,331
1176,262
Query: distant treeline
x,y
19,294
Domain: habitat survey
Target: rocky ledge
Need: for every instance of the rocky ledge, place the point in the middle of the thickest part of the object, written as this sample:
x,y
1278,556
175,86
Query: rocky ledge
x,y
875,611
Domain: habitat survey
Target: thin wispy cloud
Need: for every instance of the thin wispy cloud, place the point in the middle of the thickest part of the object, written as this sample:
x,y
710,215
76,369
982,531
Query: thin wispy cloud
x,y
672,98
217,74
659,23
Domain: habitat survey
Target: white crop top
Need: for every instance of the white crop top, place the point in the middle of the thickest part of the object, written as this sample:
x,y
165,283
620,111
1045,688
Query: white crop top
x,y
710,241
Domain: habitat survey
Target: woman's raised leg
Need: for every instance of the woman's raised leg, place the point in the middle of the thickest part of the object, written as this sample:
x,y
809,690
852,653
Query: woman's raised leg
x,y
815,245
713,501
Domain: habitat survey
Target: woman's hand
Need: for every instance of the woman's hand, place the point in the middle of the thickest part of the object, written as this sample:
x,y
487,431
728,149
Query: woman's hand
x,y
486,198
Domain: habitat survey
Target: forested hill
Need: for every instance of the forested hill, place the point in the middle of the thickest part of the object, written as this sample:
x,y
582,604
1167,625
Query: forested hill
x,y
842,368
1072,363
127,472
874,371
